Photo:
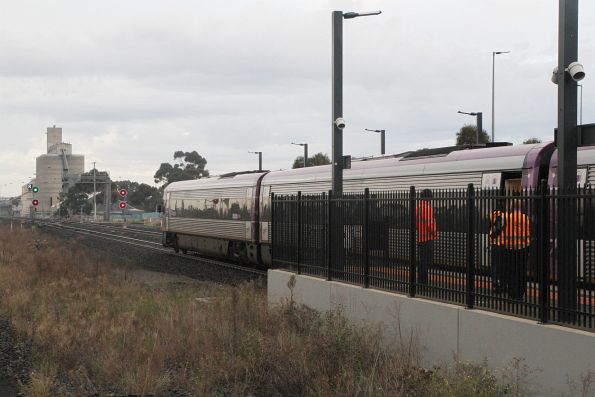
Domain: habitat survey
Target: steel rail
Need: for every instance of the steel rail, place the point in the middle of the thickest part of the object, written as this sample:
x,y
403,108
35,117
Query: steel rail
x,y
151,245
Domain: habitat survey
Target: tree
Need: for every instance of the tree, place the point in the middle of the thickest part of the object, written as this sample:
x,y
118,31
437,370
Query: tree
x,y
75,200
467,135
531,140
187,166
317,159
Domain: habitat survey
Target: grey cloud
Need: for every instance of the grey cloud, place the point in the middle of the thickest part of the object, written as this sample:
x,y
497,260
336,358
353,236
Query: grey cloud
x,y
224,78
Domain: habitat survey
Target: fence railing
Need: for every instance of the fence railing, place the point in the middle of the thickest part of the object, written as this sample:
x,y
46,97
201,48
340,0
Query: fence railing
x,y
529,253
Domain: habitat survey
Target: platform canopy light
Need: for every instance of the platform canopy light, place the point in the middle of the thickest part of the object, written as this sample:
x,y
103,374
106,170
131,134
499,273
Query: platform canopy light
x,y
123,192
35,189
35,202
123,205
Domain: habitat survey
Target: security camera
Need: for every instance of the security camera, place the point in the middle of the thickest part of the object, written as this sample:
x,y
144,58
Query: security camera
x,y
576,71
555,76
340,123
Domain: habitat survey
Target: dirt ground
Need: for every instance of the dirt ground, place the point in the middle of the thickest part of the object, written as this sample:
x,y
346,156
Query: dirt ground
x,y
14,361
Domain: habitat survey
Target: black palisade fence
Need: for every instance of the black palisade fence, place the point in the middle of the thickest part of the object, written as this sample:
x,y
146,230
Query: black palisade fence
x,y
529,253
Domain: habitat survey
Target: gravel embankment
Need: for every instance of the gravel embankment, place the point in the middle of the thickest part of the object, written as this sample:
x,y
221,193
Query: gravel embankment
x,y
15,361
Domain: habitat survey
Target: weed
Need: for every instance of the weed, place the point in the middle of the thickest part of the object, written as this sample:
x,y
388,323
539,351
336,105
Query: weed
x,y
94,328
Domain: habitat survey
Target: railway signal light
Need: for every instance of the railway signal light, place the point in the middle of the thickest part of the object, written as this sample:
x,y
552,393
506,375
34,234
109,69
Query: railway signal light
x,y
35,189
35,202
123,192
123,205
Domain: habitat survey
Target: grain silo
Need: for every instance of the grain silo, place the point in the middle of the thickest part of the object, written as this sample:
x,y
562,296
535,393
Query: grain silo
x,y
56,171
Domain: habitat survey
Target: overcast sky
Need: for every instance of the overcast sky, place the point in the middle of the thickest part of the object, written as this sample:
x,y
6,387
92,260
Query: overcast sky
x,y
130,82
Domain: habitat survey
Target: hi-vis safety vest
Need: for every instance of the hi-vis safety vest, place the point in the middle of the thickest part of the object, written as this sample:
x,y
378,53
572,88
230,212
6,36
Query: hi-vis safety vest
x,y
426,222
497,228
515,233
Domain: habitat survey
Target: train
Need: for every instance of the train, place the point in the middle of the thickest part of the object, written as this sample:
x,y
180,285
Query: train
x,y
229,216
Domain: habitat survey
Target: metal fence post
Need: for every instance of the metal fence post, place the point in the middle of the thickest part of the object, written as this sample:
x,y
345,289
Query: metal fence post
x,y
329,251
470,246
542,249
299,231
365,238
412,242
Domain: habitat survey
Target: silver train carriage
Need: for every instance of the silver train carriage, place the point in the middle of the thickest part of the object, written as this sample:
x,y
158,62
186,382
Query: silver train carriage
x,y
230,215
214,216
505,168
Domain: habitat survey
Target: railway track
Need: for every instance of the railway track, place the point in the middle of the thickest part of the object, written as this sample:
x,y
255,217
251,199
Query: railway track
x,y
137,238
120,230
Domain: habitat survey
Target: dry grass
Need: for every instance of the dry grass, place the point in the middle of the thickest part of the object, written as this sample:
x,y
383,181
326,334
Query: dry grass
x,y
94,329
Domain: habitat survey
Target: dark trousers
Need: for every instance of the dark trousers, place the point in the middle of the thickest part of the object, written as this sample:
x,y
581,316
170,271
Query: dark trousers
x,y
515,272
426,257
497,259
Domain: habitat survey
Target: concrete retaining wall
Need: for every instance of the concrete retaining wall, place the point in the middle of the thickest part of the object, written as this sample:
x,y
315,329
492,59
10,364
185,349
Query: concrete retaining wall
x,y
445,332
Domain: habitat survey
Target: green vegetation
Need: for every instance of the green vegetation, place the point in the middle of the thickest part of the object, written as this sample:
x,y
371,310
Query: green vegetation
x,y
317,159
531,140
94,327
467,135
189,165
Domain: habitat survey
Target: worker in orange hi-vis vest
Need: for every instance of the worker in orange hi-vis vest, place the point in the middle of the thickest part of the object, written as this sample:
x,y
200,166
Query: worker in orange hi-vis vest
x,y
516,239
426,234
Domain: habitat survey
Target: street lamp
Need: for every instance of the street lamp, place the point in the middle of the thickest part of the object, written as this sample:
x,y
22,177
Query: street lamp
x,y
479,123
305,145
382,139
337,95
494,53
259,159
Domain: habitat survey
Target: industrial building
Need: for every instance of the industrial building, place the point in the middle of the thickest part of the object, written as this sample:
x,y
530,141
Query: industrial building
x,y
56,172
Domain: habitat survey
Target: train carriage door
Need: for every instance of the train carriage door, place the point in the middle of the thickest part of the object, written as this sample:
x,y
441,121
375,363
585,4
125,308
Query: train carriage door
x,y
511,183
265,211
166,208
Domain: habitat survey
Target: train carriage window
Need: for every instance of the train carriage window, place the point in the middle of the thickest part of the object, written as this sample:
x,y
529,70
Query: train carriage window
x,y
491,180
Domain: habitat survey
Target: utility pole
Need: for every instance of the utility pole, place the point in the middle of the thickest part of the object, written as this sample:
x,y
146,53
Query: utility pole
x,y
107,200
94,194
567,158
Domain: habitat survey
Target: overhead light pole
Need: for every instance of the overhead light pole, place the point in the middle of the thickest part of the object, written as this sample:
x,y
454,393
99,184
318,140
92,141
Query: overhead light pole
x,y
259,160
479,127
494,53
566,75
305,146
382,139
338,124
